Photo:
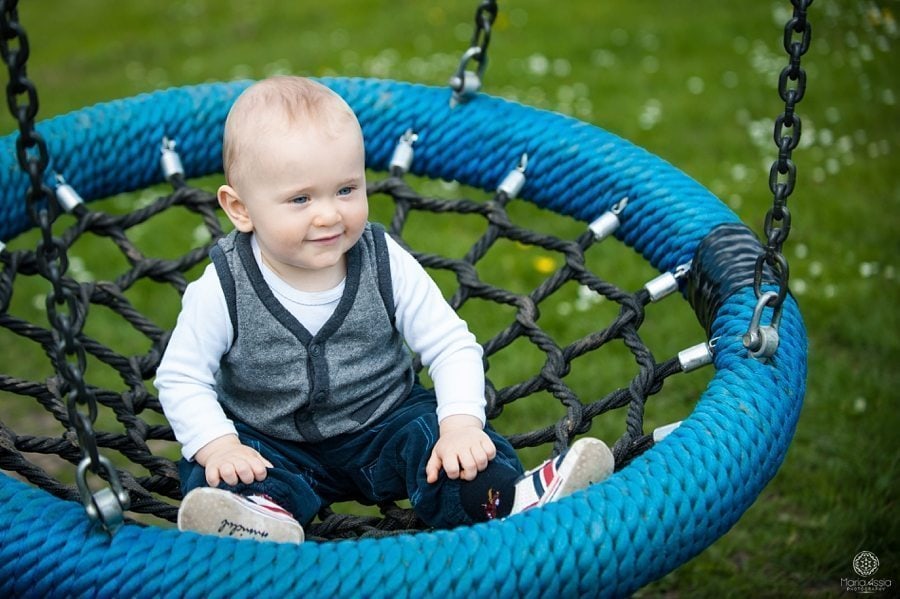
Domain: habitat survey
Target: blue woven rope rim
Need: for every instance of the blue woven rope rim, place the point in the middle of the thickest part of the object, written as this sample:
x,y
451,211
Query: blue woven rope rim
x,y
664,508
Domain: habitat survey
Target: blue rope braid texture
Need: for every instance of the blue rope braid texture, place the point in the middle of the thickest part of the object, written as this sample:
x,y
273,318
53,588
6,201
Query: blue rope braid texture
x,y
608,540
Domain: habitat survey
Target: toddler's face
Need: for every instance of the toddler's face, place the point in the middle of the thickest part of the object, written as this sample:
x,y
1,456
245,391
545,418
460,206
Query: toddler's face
x,y
306,199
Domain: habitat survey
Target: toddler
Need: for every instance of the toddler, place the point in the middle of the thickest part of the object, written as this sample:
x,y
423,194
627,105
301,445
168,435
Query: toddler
x,y
287,379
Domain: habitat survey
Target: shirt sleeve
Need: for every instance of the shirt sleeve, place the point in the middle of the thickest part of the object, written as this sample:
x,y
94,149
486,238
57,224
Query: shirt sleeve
x,y
186,375
432,329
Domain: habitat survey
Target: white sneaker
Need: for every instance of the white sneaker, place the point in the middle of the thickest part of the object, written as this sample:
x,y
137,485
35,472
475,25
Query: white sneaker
x,y
586,462
218,512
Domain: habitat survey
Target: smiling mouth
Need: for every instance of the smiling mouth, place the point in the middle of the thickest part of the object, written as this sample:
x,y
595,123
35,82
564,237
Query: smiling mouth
x,y
328,239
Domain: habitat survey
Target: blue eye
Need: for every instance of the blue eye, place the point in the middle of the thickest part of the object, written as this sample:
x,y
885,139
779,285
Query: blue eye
x,y
300,200
345,191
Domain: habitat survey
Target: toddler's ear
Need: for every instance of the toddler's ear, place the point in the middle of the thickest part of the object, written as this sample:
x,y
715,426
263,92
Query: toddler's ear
x,y
235,208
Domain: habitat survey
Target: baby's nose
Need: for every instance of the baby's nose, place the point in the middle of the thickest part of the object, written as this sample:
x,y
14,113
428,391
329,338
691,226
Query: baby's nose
x,y
327,214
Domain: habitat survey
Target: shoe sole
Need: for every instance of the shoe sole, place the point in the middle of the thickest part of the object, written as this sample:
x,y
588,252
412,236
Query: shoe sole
x,y
588,461
216,512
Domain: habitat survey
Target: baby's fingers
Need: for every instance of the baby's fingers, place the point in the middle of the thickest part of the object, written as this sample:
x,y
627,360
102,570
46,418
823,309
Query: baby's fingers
x,y
212,476
480,458
228,473
432,468
489,448
451,466
259,467
246,470
471,464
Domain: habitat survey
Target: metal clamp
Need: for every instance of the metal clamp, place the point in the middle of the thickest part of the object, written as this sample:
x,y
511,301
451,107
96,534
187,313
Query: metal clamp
x,y
107,506
403,154
762,341
696,356
667,283
169,160
66,195
661,432
609,221
513,182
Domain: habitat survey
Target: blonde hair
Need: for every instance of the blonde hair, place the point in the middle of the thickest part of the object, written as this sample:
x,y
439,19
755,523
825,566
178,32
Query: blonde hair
x,y
276,102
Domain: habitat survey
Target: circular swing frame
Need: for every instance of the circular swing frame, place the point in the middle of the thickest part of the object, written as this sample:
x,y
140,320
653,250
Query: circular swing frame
x,y
665,507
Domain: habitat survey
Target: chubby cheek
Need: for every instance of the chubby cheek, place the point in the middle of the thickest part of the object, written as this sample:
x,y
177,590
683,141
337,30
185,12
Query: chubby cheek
x,y
289,233
357,215
358,224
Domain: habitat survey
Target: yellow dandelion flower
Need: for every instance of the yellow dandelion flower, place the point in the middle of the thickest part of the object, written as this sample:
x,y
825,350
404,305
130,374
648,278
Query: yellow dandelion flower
x,y
544,264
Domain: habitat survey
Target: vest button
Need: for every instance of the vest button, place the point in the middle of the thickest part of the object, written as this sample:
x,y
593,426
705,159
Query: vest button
x,y
320,395
314,350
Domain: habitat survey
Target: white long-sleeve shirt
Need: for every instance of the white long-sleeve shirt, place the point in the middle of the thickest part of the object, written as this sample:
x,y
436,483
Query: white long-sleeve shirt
x,y
204,333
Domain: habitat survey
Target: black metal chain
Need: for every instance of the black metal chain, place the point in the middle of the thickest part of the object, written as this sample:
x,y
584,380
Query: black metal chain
x,y
485,16
67,303
22,99
783,173
466,83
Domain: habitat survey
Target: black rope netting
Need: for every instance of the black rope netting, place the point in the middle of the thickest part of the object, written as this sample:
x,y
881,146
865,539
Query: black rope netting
x,y
137,410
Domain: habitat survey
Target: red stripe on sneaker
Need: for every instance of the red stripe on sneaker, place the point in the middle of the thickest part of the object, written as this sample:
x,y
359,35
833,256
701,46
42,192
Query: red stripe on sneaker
x,y
267,503
277,510
548,473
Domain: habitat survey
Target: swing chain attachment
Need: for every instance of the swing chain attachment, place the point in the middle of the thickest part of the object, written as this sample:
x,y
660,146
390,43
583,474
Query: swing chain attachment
x,y
106,505
466,83
783,173
762,341
52,262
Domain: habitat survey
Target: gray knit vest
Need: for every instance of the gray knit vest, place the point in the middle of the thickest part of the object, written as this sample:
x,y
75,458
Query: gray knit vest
x,y
289,384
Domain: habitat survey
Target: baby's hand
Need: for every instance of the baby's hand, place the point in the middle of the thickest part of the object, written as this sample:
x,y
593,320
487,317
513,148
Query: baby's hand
x,y
463,449
227,459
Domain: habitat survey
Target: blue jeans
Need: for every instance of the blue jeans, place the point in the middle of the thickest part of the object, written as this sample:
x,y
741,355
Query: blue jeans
x,y
383,462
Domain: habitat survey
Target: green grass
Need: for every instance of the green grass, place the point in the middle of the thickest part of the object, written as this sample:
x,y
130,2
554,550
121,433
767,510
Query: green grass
x,y
696,87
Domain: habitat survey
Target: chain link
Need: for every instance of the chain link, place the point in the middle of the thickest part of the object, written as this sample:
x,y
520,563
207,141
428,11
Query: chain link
x,y
485,15
22,100
465,83
783,173
67,302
